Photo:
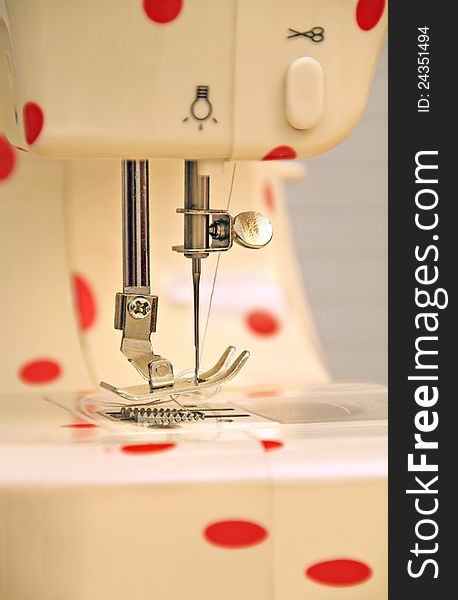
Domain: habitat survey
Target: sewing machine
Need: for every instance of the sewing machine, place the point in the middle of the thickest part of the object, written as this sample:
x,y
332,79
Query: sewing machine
x,y
144,145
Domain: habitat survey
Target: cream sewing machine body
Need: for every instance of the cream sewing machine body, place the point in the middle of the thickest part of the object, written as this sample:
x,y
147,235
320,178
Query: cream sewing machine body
x,y
113,82
130,112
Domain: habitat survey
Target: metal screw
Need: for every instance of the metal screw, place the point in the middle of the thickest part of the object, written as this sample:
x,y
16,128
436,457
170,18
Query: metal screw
x,y
139,307
162,371
219,230
252,230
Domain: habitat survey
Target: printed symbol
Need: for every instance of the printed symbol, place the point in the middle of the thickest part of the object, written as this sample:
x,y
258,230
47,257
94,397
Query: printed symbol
x,y
201,109
316,34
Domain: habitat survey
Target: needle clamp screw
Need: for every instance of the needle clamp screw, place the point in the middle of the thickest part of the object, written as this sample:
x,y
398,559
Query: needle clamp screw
x,y
252,230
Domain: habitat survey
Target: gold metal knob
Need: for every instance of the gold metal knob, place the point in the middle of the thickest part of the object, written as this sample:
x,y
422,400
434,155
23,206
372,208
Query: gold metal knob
x,y
252,230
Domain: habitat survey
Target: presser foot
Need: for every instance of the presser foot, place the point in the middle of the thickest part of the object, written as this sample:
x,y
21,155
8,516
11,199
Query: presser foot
x,y
222,372
135,316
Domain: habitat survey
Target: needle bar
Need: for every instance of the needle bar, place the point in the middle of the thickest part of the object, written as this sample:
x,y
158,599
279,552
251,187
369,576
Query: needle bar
x,y
196,239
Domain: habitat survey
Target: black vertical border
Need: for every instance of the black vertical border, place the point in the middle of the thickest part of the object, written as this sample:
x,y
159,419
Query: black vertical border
x,y
410,132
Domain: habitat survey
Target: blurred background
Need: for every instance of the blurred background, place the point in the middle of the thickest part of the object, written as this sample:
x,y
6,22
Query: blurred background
x,y
339,219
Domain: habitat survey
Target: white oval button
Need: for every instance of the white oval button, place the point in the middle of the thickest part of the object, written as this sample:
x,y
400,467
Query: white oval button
x,y
304,93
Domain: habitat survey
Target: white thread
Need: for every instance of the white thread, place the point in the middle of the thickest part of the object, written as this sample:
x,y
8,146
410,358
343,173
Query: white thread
x,y
216,268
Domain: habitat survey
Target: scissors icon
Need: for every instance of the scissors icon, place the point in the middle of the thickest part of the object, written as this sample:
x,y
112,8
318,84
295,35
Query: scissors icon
x,y
316,34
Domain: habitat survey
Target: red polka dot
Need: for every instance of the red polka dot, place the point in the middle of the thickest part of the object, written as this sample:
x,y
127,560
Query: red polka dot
x,y
146,448
369,13
271,445
235,534
40,371
342,572
85,302
33,121
80,426
263,394
7,158
162,11
269,196
280,153
262,323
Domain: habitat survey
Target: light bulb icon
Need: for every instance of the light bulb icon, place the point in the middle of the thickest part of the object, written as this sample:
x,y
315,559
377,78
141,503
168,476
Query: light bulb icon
x,y
201,108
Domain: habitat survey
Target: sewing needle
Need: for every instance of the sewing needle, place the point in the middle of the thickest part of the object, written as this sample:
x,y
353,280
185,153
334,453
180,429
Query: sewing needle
x,y
196,268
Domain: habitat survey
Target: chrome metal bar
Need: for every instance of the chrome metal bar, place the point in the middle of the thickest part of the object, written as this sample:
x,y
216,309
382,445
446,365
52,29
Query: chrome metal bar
x,y
196,195
196,237
135,228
